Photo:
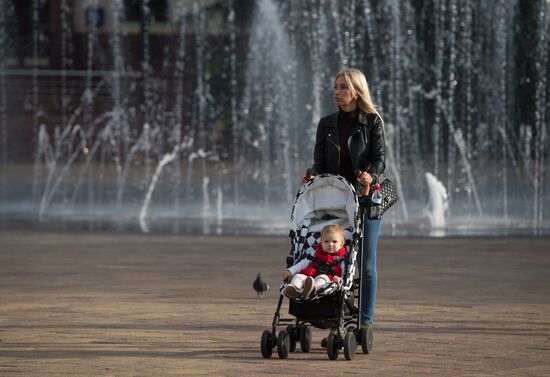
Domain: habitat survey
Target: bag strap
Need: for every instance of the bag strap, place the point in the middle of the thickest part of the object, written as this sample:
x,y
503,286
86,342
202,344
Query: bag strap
x,y
370,121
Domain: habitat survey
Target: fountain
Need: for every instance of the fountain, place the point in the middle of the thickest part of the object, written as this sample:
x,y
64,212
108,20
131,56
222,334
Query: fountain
x,y
436,209
3,123
204,120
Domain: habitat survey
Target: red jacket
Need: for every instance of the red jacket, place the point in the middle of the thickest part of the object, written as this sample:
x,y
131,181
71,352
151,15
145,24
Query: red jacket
x,y
322,259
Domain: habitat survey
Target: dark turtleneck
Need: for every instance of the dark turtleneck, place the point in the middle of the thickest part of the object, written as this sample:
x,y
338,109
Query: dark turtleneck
x,y
346,123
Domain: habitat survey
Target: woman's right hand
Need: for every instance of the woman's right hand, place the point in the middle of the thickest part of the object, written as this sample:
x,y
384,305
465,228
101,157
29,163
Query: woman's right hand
x,y
308,176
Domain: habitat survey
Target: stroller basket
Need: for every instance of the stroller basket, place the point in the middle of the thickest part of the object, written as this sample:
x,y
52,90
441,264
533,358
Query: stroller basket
x,y
325,308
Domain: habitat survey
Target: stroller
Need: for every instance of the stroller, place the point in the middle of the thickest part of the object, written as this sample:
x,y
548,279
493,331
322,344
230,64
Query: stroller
x,y
327,199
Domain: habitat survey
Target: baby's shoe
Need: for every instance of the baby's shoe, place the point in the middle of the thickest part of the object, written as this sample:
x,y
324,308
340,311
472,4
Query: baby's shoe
x,y
309,286
292,292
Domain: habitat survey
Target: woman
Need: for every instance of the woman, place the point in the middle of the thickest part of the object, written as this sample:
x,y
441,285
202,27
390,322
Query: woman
x,y
350,142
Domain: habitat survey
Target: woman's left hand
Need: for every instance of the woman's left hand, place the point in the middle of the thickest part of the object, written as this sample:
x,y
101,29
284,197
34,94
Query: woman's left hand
x,y
364,178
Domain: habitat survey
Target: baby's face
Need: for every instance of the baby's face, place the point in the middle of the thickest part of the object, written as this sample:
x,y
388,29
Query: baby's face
x,y
331,243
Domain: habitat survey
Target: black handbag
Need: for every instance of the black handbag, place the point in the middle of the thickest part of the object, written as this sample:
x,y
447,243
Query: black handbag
x,y
389,194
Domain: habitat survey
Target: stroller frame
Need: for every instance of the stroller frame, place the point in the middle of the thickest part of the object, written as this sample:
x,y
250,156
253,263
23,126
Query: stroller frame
x,y
337,311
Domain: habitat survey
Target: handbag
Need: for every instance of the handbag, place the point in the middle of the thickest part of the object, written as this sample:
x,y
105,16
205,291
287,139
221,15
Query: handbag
x,y
389,194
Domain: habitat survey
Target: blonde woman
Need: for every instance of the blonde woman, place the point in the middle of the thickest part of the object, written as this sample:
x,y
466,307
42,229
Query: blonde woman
x,y
350,142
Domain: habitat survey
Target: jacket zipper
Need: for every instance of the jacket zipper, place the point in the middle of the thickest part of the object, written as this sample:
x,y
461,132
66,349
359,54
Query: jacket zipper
x,y
355,132
338,149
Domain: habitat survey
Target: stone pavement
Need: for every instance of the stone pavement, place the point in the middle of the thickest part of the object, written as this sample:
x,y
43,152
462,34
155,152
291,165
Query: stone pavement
x,y
156,305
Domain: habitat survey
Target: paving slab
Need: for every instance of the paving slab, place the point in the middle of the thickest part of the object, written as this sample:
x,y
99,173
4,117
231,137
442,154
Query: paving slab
x,y
156,305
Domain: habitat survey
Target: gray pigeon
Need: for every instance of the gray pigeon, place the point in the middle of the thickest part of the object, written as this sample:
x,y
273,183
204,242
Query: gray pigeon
x,y
260,286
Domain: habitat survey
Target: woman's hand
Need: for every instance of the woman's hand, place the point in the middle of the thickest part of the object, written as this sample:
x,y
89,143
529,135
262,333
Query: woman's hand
x,y
286,275
365,179
337,279
307,177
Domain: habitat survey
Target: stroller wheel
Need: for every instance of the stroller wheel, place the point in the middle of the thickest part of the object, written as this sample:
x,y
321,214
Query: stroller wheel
x,y
292,334
266,344
305,338
350,345
367,339
283,344
333,348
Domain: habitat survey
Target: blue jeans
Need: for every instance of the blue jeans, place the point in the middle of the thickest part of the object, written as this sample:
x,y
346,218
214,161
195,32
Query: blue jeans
x,y
371,230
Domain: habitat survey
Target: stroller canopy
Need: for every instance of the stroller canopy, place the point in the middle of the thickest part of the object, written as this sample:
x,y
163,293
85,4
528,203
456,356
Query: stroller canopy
x,y
327,199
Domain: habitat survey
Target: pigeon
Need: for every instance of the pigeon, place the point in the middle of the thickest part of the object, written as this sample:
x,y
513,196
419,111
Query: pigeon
x,y
260,286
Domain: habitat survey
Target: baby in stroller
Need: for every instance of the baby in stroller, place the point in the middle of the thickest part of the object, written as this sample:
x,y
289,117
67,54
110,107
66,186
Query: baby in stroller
x,y
324,291
318,270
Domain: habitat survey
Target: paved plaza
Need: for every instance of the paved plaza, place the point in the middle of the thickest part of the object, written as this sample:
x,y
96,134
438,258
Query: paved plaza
x,y
157,305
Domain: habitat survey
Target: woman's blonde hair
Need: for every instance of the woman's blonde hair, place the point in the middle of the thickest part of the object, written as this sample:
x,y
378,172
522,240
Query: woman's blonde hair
x,y
357,84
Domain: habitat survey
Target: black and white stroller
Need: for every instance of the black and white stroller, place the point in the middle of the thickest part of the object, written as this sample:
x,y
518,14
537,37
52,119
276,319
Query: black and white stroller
x,y
327,199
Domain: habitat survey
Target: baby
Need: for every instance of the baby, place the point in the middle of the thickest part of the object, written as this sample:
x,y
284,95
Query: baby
x,y
324,266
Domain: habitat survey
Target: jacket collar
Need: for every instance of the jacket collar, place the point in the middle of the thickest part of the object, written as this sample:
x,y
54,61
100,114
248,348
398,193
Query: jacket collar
x,y
363,118
333,120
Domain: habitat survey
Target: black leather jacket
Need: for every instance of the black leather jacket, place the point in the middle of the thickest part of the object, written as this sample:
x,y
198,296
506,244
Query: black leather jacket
x,y
366,145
